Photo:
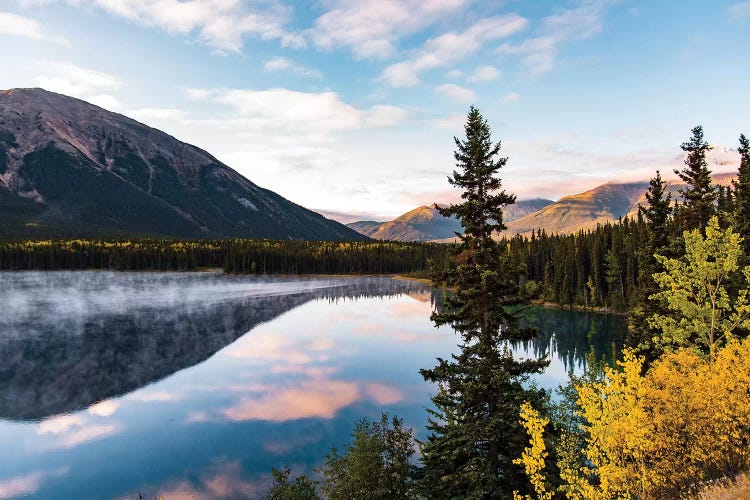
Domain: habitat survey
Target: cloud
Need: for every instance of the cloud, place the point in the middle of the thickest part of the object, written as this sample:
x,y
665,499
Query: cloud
x,y
484,74
157,396
222,24
287,65
73,430
511,97
27,484
87,84
372,28
451,47
455,122
223,480
105,408
15,25
456,92
739,10
59,424
294,112
346,217
309,399
86,434
538,54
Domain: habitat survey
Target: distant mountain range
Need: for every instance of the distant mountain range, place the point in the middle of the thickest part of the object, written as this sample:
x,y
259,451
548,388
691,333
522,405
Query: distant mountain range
x,y
71,169
605,203
426,224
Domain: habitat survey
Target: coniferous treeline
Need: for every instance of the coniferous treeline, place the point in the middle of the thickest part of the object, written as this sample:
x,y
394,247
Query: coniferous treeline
x,y
672,415
233,256
612,265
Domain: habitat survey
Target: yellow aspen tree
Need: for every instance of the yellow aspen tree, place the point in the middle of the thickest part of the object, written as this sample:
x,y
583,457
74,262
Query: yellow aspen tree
x,y
534,456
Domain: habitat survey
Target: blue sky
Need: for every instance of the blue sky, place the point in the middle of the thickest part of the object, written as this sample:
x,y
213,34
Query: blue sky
x,y
350,107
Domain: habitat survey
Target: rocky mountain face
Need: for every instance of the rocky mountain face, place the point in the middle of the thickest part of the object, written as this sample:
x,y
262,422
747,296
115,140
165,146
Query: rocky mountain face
x,y
71,169
426,224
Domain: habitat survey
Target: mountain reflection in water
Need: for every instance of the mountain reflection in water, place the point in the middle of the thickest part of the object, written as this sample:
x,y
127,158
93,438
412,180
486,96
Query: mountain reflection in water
x,y
196,384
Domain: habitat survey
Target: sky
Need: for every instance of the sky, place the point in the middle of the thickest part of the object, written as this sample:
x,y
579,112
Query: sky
x,y
350,107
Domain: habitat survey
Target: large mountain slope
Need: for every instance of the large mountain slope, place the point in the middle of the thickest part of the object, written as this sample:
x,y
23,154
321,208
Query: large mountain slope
x,y
71,169
425,223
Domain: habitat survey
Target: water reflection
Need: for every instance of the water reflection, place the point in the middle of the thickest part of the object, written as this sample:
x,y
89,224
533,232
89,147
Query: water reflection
x,y
71,339
199,391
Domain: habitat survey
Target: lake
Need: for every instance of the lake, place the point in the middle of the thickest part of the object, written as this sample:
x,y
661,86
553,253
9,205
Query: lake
x,y
194,385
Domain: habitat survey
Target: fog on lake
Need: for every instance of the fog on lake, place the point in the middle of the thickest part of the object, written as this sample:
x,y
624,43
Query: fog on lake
x,y
197,384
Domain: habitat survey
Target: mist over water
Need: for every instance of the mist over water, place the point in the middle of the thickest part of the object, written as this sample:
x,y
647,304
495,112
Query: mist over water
x,y
31,299
194,385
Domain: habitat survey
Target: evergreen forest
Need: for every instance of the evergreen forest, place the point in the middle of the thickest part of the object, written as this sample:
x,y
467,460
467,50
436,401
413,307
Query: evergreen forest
x,y
670,418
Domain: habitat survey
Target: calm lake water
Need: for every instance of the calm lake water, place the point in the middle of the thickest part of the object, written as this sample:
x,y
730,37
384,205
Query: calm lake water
x,y
194,385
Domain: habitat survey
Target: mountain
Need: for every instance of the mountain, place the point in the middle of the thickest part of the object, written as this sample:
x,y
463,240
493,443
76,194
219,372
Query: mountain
x,y
582,211
425,223
605,203
71,169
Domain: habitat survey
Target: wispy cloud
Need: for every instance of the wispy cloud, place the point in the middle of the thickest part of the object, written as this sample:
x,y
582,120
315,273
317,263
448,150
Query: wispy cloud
x,y
85,83
451,47
511,97
484,74
289,111
15,25
739,10
27,484
222,24
539,52
456,92
373,28
287,65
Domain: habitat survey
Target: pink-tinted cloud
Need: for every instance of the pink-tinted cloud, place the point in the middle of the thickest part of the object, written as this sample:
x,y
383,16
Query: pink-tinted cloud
x,y
27,484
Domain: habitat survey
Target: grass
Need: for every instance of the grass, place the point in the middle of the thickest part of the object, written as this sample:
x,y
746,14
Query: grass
x,y
737,488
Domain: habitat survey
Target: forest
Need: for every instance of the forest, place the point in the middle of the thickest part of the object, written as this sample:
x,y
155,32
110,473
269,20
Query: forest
x,y
669,419
232,256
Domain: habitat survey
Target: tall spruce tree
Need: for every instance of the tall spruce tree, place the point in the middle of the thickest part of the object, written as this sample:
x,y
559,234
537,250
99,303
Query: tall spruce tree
x,y
656,215
475,429
742,194
699,195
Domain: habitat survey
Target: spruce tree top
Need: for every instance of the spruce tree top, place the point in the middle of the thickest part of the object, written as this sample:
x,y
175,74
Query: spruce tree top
x,y
699,195
742,194
478,159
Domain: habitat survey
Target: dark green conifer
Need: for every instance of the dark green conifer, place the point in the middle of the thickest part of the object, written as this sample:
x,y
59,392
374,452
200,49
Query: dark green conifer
x,y
656,216
475,430
656,213
742,194
699,195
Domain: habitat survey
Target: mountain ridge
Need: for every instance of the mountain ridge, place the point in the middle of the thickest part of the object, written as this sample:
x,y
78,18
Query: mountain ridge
x,y
69,168
605,203
425,223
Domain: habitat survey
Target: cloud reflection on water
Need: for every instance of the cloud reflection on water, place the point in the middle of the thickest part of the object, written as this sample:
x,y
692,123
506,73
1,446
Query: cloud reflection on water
x,y
27,484
226,391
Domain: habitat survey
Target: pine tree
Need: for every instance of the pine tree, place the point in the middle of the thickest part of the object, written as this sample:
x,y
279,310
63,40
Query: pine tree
x,y
475,428
656,216
742,194
657,213
699,195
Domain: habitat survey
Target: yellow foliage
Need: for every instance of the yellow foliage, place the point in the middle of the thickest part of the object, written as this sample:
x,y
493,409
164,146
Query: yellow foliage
x,y
534,455
655,436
